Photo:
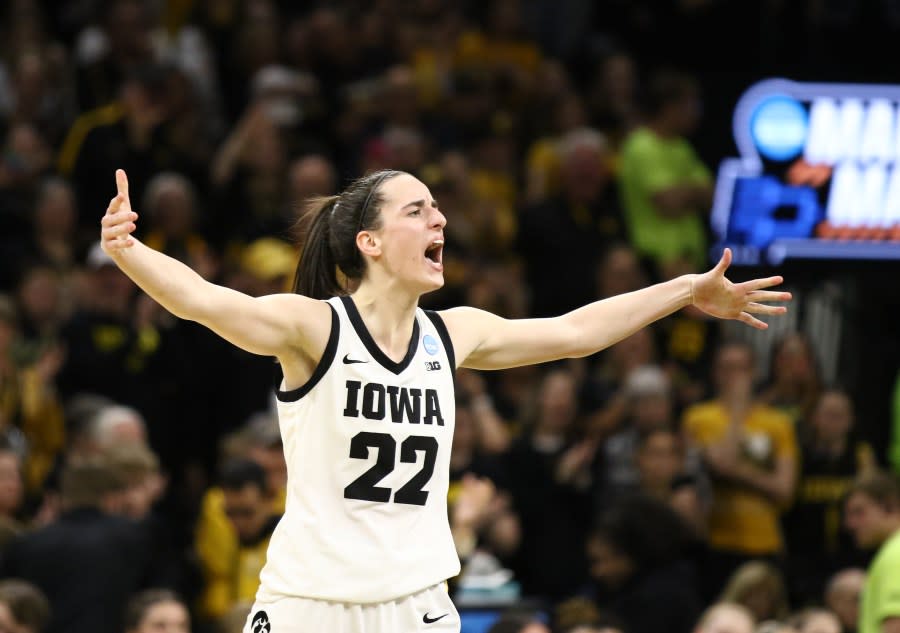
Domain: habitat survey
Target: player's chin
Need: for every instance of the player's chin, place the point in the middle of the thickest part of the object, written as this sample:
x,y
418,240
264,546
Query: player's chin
x,y
434,281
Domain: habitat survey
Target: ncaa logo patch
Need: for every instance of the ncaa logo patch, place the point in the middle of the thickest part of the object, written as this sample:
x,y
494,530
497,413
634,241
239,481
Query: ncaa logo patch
x,y
430,345
260,623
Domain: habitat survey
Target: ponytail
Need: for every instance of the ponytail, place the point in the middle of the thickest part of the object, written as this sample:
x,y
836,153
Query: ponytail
x,y
327,230
316,275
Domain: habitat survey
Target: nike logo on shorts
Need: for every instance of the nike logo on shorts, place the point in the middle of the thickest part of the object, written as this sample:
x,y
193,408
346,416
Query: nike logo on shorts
x,y
428,620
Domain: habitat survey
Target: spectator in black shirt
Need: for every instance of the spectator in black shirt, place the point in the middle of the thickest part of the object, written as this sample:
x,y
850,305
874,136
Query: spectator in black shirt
x,y
89,561
550,480
832,457
561,239
638,553
134,132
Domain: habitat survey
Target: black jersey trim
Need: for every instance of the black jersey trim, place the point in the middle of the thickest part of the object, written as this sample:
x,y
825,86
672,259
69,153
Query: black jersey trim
x,y
380,357
445,336
324,363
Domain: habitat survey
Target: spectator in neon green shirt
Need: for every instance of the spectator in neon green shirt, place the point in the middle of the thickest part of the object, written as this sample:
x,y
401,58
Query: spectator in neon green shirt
x,y
894,449
666,189
872,514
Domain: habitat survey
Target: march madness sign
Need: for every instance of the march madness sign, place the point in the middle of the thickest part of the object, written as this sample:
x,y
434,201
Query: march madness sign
x,y
817,176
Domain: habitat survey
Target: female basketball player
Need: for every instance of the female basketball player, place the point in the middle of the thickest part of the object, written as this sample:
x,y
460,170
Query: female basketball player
x,y
366,404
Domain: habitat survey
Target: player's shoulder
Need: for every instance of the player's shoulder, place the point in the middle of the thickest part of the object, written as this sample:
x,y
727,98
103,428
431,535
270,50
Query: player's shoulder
x,y
463,321
310,323
461,315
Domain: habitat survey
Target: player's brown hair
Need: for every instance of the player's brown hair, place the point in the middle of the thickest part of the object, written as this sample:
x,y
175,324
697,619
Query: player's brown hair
x,y
328,228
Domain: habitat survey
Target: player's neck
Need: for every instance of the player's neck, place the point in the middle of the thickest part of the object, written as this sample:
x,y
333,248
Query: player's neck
x,y
388,316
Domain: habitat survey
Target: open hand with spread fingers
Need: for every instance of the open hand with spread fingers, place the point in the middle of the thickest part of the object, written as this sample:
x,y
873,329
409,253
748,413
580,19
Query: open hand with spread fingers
x,y
715,295
118,223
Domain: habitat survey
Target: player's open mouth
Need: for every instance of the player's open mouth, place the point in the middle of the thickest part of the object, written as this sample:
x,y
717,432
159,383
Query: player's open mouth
x,y
434,254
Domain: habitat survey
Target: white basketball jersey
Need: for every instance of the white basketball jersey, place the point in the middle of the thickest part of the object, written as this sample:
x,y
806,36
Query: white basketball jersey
x,y
367,443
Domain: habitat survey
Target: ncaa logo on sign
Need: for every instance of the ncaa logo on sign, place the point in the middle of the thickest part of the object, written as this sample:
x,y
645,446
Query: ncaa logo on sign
x,y
430,345
260,623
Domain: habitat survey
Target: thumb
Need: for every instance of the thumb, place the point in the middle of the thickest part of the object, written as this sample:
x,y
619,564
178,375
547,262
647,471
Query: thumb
x,y
724,262
122,182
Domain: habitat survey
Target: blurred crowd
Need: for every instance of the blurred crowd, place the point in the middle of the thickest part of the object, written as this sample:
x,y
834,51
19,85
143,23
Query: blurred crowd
x,y
670,483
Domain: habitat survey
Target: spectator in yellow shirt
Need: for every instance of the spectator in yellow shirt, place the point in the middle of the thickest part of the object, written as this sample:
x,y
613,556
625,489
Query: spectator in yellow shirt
x,y
750,451
247,505
502,47
30,409
216,539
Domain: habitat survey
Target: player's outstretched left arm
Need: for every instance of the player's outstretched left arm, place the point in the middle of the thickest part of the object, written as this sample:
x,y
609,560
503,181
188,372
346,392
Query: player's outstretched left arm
x,y
486,341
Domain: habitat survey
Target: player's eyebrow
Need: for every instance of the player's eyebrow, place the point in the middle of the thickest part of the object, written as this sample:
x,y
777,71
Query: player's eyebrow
x,y
420,203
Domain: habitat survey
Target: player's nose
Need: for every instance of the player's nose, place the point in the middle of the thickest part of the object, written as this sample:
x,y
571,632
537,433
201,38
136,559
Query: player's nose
x,y
438,219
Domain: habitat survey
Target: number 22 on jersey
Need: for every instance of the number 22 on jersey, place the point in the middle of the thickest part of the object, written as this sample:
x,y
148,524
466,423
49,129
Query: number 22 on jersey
x,y
365,486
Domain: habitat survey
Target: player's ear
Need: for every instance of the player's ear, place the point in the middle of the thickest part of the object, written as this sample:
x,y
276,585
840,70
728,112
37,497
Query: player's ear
x,y
368,243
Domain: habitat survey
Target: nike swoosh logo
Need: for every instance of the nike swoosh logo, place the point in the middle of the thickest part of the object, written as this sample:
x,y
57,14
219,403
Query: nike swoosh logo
x,y
428,620
351,361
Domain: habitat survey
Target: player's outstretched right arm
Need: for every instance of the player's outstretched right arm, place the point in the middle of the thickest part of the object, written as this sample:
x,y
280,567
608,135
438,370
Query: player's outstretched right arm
x,y
273,325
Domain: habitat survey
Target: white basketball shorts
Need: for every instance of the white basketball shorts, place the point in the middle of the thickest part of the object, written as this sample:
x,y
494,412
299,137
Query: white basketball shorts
x,y
428,611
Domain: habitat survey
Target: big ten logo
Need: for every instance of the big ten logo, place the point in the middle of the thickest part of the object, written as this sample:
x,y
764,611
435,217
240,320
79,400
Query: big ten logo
x,y
817,161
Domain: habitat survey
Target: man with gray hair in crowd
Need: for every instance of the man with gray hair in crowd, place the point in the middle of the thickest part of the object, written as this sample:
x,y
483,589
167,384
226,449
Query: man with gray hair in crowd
x,y
648,404
562,237
89,560
96,426
100,424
